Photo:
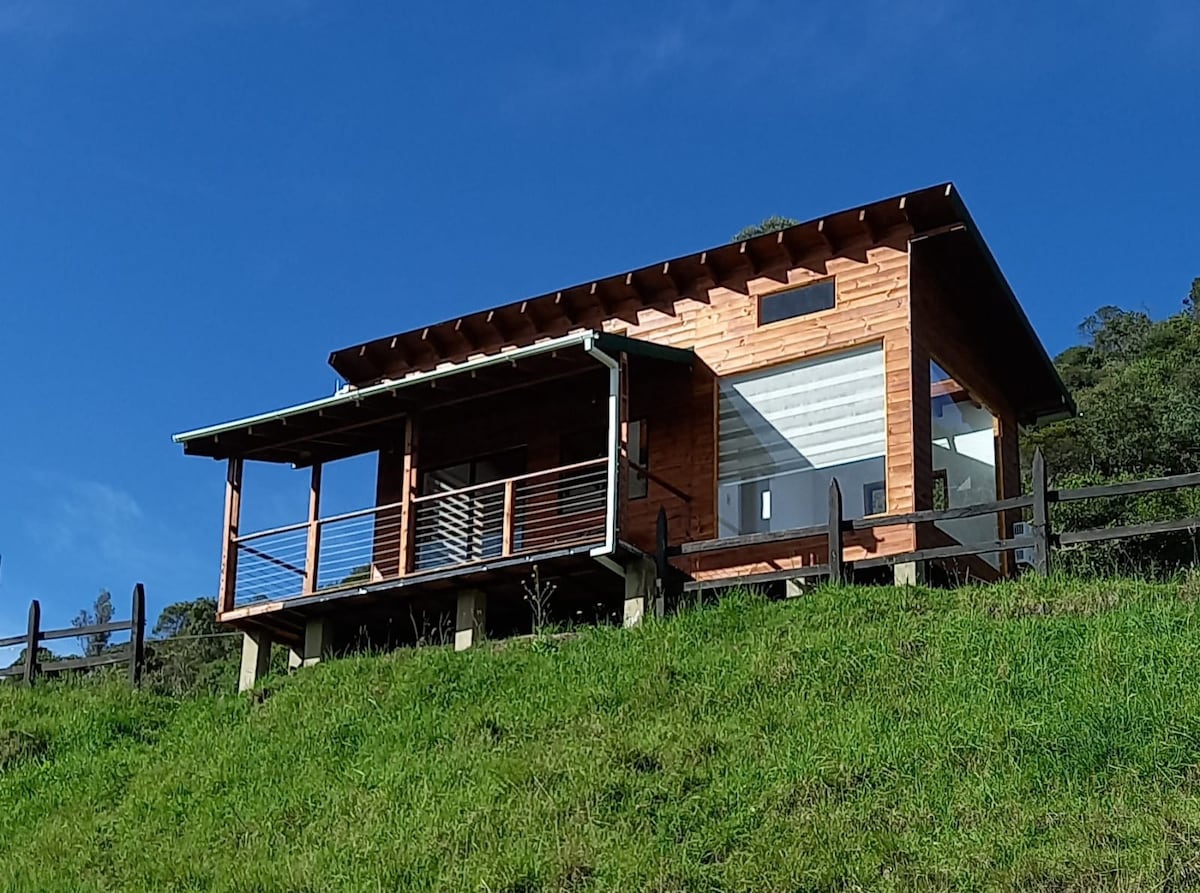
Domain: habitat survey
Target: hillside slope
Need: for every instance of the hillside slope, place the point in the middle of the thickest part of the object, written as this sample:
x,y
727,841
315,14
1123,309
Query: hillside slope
x,y
1025,736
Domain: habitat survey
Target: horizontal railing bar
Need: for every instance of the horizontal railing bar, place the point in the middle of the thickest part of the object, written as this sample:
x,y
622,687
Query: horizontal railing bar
x,y
1100,534
796,573
750,539
274,531
117,626
358,513
957,551
84,663
502,481
1128,488
966,511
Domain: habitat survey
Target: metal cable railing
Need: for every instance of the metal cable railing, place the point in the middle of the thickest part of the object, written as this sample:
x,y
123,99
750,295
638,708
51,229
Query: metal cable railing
x,y
531,513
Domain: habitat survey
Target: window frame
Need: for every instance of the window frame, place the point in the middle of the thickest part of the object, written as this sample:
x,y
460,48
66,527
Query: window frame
x,y
796,286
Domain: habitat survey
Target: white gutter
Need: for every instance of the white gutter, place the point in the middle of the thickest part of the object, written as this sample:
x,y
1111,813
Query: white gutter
x,y
614,442
355,395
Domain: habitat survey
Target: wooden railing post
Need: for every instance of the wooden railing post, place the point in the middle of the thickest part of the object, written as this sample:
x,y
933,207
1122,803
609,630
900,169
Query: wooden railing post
x,y
32,637
406,553
229,547
312,551
508,531
1041,517
137,635
837,570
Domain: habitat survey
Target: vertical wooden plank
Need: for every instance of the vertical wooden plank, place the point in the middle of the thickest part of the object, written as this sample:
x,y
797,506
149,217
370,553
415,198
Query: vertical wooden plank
x,y
507,534
32,637
1041,517
409,481
233,511
623,447
312,551
1008,482
137,635
661,566
837,571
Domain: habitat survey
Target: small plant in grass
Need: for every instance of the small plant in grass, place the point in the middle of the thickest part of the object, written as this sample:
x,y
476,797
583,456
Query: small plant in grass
x,y
538,593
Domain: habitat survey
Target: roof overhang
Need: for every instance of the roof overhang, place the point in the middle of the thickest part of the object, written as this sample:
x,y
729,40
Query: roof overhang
x,y
358,420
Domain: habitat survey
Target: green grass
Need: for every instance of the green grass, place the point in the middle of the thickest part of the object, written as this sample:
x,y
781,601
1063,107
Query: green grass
x,y
1038,736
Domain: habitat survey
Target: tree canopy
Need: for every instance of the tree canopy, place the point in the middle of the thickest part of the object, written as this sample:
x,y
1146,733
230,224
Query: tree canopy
x,y
767,225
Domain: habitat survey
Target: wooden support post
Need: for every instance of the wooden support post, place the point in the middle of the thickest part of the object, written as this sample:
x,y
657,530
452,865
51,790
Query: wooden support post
x,y
137,635
233,510
32,637
1041,517
837,570
623,445
312,552
408,491
508,531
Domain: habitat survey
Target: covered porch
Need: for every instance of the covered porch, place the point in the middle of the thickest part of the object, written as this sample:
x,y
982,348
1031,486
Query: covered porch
x,y
482,469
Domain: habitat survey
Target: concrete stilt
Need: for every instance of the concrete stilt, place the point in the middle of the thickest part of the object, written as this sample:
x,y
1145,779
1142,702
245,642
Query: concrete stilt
x,y
640,592
470,616
256,659
909,573
318,641
295,659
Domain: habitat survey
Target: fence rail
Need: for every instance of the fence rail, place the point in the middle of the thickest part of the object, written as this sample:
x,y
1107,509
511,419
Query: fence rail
x,y
1042,539
133,653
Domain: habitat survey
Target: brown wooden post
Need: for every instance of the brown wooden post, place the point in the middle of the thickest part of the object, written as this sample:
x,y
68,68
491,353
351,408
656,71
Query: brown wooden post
x,y
408,491
32,637
661,565
623,443
137,635
510,503
233,511
312,551
837,571
1041,517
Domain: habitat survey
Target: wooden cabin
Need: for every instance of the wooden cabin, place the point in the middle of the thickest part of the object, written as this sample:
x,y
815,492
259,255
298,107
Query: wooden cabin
x,y
879,345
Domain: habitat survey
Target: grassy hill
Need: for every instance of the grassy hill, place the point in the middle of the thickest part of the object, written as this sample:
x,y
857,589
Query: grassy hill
x,y
1041,736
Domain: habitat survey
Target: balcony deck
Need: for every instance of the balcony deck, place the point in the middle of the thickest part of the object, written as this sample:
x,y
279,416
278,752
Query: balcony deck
x,y
542,514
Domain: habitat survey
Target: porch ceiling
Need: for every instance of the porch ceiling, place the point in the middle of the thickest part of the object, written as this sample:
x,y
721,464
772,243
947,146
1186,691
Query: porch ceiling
x,y
359,420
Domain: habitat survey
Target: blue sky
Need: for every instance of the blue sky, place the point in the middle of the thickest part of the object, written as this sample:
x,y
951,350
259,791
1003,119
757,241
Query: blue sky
x,y
198,201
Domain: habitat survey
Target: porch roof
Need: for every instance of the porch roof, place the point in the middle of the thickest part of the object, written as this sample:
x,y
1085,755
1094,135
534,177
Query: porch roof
x,y
355,420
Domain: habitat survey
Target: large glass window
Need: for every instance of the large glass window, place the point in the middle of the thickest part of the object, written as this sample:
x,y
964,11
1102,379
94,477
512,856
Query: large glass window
x,y
785,432
964,459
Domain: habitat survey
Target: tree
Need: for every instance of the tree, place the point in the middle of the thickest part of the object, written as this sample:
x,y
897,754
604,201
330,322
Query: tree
x,y
768,225
1191,304
102,612
1136,382
189,652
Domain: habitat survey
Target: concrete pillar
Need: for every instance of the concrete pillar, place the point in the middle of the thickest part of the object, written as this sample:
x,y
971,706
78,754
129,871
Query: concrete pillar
x,y
640,591
256,659
909,573
318,641
470,617
295,659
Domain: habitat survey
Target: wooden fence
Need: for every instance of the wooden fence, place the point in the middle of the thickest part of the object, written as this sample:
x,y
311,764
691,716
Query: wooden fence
x,y
1041,539
134,653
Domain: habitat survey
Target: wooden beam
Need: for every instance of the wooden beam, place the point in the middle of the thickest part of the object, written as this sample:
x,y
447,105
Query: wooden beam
x,y
711,266
409,483
312,552
563,301
823,233
233,513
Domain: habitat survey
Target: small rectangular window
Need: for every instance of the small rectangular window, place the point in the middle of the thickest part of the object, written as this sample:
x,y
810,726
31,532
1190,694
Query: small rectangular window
x,y
639,459
799,301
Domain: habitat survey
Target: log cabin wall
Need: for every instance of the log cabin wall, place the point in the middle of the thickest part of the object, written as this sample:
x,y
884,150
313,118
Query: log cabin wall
x,y
941,334
872,306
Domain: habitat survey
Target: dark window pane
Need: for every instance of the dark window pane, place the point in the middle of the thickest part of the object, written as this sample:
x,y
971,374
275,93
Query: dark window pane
x,y
796,302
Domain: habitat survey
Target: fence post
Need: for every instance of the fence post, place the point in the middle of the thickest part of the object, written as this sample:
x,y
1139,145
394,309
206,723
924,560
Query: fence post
x,y
137,635
661,567
32,637
837,570
1041,517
